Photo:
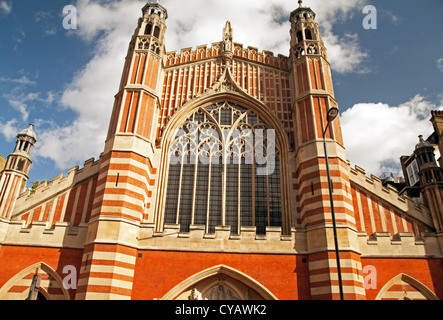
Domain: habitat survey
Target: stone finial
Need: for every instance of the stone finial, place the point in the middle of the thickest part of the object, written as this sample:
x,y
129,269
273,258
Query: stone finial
x,y
228,36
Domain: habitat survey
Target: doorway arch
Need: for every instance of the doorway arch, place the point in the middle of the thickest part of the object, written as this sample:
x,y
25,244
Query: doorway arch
x,y
51,287
411,289
220,283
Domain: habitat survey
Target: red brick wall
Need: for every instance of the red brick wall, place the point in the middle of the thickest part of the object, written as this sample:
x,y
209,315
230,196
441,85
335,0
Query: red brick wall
x,y
157,272
15,259
427,271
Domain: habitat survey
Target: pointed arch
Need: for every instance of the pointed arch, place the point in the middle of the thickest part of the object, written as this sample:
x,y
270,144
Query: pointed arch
x,y
229,92
227,89
51,287
402,279
220,270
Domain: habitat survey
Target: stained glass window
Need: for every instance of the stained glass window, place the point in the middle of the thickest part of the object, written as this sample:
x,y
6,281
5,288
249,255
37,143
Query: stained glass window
x,y
224,169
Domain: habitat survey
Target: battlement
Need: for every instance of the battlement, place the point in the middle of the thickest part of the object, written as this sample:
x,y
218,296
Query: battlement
x,y
42,234
59,184
222,240
388,194
406,244
203,52
436,113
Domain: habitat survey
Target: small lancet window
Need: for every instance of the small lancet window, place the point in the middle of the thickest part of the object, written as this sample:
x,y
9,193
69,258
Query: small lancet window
x,y
299,36
20,165
308,34
156,32
148,29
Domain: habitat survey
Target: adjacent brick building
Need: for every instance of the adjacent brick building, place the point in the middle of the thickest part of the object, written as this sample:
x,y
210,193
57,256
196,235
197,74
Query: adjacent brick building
x,y
213,185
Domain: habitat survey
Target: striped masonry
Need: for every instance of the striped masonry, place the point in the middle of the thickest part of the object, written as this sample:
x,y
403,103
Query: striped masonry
x,y
11,184
375,215
49,285
402,290
124,186
73,206
323,276
107,272
124,189
313,196
315,210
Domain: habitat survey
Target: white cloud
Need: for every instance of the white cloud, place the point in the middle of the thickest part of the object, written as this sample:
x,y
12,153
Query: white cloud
x,y
9,129
46,20
23,102
90,94
440,64
5,7
266,26
24,80
110,24
345,53
376,135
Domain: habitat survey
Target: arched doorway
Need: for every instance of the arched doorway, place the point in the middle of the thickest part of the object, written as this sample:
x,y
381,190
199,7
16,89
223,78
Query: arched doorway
x,y
404,287
51,286
220,283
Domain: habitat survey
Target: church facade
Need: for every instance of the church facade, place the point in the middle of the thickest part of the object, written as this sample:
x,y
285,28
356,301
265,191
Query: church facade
x,y
213,184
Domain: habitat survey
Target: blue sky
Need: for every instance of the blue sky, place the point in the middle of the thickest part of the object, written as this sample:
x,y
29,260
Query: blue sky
x,y
386,80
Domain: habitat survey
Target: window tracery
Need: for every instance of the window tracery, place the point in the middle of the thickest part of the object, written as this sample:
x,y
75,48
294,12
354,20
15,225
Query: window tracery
x,y
224,169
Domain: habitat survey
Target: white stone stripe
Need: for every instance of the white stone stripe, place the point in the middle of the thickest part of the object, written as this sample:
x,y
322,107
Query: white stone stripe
x,y
334,276
326,203
43,283
306,184
103,281
316,167
86,203
382,217
320,217
331,263
122,185
111,269
335,289
360,211
405,225
122,197
337,192
371,213
394,223
120,210
116,171
114,256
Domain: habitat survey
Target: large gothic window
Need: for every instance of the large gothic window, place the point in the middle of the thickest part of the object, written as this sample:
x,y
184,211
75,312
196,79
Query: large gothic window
x,y
224,169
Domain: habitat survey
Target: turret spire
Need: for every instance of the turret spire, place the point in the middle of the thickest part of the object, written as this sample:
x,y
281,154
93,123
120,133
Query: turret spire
x,y
15,175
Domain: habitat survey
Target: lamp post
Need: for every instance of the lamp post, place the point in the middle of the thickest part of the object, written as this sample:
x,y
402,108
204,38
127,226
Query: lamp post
x,y
332,114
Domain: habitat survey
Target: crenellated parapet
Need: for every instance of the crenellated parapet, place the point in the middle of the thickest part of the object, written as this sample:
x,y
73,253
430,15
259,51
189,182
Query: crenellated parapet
x,y
44,234
65,201
403,244
59,184
56,214
390,197
248,241
391,224
204,52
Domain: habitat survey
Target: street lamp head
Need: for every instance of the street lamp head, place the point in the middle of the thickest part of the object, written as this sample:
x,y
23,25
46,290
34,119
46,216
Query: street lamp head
x,y
332,114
